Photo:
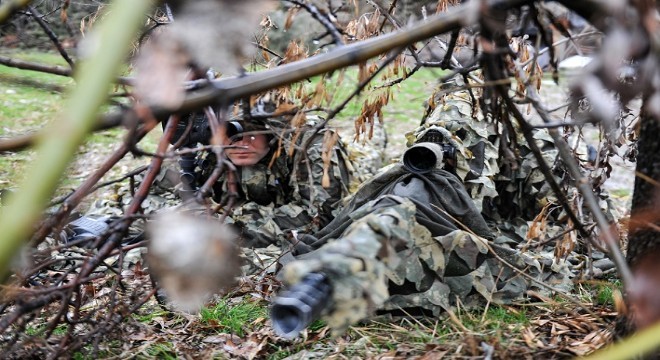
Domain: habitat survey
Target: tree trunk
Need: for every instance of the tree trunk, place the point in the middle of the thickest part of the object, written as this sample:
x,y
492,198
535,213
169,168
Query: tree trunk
x,y
643,256
643,238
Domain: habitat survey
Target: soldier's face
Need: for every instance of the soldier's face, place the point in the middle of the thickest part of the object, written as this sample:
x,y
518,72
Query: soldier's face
x,y
247,151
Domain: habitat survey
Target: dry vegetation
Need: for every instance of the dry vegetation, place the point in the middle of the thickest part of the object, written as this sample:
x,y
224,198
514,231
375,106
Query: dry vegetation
x,y
109,308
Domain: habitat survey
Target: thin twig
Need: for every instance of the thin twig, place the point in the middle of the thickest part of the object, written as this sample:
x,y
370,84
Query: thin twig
x,y
51,35
582,183
323,19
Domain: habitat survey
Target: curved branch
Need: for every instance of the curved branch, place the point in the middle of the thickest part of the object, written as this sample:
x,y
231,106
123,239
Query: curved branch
x,y
27,65
24,141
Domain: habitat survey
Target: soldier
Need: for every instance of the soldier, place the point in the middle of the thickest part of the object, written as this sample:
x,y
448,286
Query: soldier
x,y
413,237
282,188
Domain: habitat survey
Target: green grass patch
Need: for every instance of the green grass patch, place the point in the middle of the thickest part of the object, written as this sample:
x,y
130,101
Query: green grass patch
x,y
29,100
403,112
162,350
604,292
496,325
60,329
621,193
150,315
500,317
234,318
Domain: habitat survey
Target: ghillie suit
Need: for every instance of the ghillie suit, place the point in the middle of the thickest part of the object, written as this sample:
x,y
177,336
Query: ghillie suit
x,y
297,188
430,241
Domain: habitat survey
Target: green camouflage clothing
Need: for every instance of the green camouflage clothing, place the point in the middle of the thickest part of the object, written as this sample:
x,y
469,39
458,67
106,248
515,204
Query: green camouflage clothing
x,y
420,241
509,196
406,250
366,156
289,196
273,205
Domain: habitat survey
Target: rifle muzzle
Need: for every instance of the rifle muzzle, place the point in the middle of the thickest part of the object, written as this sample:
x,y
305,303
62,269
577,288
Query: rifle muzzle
x,y
423,157
295,309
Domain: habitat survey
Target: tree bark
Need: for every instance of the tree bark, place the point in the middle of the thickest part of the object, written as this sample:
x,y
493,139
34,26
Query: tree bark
x,y
643,255
644,239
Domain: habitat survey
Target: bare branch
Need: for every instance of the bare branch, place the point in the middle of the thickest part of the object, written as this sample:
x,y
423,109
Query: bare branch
x,y
322,18
50,69
51,35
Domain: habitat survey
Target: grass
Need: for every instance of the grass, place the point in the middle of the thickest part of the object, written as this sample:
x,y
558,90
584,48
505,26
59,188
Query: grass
x,y
163,350
621,193
233,318
149,316
499,325
60,329
604,292
30,100
403,113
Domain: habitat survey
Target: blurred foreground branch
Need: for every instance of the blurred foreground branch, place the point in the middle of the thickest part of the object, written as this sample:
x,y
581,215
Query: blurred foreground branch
x,y
8,8
58,144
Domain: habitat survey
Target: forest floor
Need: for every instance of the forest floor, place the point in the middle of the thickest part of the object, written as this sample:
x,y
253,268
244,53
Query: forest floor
x,y
237,326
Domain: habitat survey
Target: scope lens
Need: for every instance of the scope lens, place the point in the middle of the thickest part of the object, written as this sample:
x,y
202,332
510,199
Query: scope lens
x,y
419,159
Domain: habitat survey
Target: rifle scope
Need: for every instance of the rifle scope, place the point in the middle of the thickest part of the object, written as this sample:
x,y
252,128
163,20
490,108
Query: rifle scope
x,y
294,309
423,157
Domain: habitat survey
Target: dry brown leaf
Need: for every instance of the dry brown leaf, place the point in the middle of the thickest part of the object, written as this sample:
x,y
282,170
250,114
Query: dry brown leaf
x,y
284,108
329,140
433,354
362,72
290,15
319,94
373,24
297,121
265,55
250,348
64,16
529,336
537,229
566,245
294,52
591,342
361,31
